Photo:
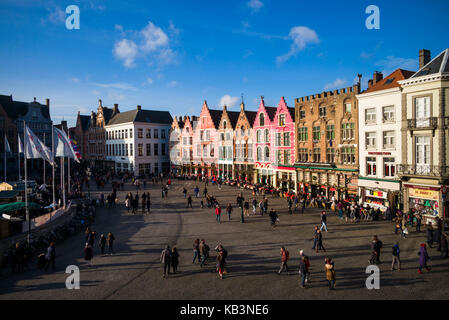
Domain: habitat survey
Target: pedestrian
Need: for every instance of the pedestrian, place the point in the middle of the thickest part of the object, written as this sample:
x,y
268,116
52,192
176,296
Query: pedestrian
x,y
290,205
273,218
189,202
175,259
221,260
50,256
315,237
307,262
196,251
437,238
102,243
303,271
330,272
229,211
423,258
376,245
284,259
320,242
184,191
396,259
203,252
110,240
254,206
443,244
429,235
166,260
218,214
418,222
246,206
323,221
148,203
88,254
127,203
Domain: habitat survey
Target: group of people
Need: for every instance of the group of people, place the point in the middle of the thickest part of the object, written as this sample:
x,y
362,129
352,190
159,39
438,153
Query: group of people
x,y
132,202
90,237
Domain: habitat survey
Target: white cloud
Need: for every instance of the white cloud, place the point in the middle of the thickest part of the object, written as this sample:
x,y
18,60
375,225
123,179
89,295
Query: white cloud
x,y
55,15
301,36
126,50
96,93
172,84
229,101
75,80
149,80
338,83
255,5
119,85
151,42
116,96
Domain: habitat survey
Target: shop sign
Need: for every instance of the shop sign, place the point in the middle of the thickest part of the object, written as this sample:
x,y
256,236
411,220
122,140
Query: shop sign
x,y
376,194
423,194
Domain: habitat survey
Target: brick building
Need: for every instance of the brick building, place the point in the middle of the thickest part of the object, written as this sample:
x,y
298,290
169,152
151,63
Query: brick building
x,y
326,143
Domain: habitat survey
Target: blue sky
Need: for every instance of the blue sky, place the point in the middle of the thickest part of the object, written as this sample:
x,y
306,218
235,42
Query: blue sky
x,y
172,55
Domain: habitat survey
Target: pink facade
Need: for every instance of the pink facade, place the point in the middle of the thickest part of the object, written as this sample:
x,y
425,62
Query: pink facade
x,y
283,131
263,143
205,142
187,144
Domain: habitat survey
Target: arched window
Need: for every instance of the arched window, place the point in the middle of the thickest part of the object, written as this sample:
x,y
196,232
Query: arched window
x,y
267,136
261,120
267,154
242,131
224,124
258,136
259,154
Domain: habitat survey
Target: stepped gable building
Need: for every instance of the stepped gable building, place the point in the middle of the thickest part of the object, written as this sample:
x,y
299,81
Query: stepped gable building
x,y
81,134
244,145
284,171
187,132
226,151
380,143
205,142
264,142
327,143
425,137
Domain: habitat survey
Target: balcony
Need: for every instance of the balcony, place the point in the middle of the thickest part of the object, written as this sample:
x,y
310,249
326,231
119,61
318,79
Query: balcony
x,y
423,170
422,123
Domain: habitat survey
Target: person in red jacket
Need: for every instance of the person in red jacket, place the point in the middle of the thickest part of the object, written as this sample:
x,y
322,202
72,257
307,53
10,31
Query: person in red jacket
x,y
218,213
284,260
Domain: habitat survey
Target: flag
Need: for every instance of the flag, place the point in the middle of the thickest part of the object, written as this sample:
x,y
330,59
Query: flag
x,y
7,147
63,146
20,145
35,149
75,147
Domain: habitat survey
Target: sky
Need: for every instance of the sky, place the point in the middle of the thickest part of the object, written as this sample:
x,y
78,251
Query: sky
x,y
173,55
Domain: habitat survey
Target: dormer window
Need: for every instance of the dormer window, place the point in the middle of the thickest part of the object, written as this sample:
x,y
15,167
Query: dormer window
x,y
282,120
261,120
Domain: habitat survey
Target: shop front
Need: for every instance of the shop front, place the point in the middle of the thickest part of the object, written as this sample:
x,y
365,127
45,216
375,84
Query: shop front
x,y
426,200
264,173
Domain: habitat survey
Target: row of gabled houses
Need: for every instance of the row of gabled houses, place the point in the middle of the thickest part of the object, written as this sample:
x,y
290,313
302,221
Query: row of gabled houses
x,y
386,145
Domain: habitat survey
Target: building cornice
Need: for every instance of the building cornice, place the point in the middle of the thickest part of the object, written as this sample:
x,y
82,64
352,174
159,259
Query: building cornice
x,y
425,79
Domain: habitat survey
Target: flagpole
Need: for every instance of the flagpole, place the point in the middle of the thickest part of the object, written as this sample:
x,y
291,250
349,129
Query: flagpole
x,y
54,164
43,160
68,175
5,156
26,178
63,181
18,153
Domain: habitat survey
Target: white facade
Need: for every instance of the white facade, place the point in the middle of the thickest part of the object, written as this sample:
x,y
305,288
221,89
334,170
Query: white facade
x,y
142,148
380,151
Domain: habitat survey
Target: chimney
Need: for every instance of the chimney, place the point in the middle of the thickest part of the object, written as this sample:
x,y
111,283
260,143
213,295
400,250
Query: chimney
x,y
424,57
378,76
370,83
139,107
116,108
34,99
47,102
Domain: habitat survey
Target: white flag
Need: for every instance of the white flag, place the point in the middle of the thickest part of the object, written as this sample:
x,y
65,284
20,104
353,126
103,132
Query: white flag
x,y
35,149
63,148
20,145
7,147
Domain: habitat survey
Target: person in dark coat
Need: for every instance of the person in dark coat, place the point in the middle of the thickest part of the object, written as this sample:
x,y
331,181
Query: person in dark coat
x,y
437,238
148,203
320,241
50,256
175,259
443,244
376,245
166,260
88,254
429,235
423,258
102,243
303,270
273,217
110,240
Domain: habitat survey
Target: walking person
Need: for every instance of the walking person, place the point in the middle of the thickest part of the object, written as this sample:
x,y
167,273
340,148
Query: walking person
x,y
284,260
218,214
165,259
320,241
323,221
423,258
189,202
148,203
330,272
254,206
102,243
376,245
303,270
429,235
229,211
127,203
203,252
273,217
196,251
110,240
443,244
315,237
88,254
174,260
50,256
396,259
